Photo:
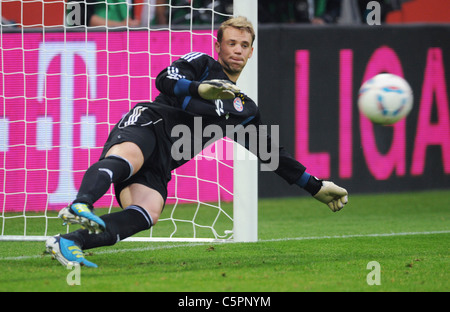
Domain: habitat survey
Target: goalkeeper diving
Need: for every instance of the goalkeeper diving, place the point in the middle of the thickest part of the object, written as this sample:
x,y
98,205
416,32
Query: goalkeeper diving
x,y
137,158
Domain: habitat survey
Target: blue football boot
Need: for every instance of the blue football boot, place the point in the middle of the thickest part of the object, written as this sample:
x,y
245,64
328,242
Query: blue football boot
x,y
66,251
79,213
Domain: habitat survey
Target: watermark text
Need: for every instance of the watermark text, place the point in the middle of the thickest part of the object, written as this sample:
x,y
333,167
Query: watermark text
x,y
195,138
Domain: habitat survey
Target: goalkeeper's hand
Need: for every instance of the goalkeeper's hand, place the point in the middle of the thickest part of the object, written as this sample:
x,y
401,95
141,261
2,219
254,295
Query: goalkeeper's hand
x,y
217,89
332,195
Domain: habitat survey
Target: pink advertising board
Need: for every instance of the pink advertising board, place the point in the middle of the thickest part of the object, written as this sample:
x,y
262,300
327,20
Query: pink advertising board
x,y
61,93
381,165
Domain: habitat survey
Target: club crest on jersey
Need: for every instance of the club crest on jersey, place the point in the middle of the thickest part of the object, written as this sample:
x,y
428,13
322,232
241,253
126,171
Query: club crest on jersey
x,y
238,105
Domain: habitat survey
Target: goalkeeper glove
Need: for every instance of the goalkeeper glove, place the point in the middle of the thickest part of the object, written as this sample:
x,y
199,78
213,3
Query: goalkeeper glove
x,y
332,195
217,89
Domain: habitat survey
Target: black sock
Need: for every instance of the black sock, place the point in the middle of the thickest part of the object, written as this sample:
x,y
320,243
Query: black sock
x,y
98,178
119,225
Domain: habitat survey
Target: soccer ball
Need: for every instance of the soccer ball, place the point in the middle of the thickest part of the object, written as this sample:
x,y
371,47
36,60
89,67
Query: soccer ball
x,y
385,99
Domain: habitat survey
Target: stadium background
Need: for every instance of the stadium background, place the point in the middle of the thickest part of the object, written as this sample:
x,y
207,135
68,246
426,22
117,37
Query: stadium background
x,y
318,73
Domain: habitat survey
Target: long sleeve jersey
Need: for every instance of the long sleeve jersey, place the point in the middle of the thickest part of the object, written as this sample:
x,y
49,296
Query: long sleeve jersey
x,y
180,104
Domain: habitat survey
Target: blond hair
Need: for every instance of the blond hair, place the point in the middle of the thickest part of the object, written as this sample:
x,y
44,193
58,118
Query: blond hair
x,y
241,23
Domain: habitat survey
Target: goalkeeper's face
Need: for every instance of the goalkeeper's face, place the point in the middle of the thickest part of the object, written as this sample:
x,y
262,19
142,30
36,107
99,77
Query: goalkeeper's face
x,y
234,51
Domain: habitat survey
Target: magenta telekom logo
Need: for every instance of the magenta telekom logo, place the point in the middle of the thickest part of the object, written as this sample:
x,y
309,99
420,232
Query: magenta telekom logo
x,y
68,52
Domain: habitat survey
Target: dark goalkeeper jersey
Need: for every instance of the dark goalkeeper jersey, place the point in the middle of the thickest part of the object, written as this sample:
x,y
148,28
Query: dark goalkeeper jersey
x,y
180,107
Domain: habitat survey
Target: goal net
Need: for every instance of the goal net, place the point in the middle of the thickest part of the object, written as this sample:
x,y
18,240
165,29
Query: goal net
x,y
69,71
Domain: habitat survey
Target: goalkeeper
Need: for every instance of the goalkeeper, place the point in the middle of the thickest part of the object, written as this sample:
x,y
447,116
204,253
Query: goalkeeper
x,y
137,156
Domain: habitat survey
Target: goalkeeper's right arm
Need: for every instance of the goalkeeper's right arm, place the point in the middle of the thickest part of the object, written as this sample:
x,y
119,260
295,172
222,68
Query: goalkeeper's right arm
x,y
184,78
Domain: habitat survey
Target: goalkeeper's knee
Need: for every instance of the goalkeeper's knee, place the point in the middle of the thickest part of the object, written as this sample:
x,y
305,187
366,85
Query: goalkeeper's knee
x,y
98,178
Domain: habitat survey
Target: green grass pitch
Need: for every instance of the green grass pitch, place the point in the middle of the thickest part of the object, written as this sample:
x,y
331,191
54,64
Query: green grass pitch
x,y
302,246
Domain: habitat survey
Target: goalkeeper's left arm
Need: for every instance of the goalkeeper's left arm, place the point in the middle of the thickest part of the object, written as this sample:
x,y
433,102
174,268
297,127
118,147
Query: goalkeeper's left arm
x,y
335,197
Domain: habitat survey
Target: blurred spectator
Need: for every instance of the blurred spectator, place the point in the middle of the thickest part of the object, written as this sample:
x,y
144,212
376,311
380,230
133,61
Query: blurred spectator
x,y
319,12
299,11
350,13
284,11
386,6
86,10
326,11
112,13
183,12
154,12
356,11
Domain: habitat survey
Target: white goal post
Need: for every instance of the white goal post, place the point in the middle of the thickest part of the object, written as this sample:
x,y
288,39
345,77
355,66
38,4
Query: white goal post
x,y
63,88
246,169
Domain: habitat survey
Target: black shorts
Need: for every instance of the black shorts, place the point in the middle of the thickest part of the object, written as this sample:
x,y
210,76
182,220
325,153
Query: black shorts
x,y
147,132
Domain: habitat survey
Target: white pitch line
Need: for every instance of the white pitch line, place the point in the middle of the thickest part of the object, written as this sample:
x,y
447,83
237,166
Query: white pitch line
x,y
150,248
357,235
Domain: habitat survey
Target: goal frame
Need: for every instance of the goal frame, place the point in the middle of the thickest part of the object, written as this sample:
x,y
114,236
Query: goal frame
x,y
245,172
245,185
